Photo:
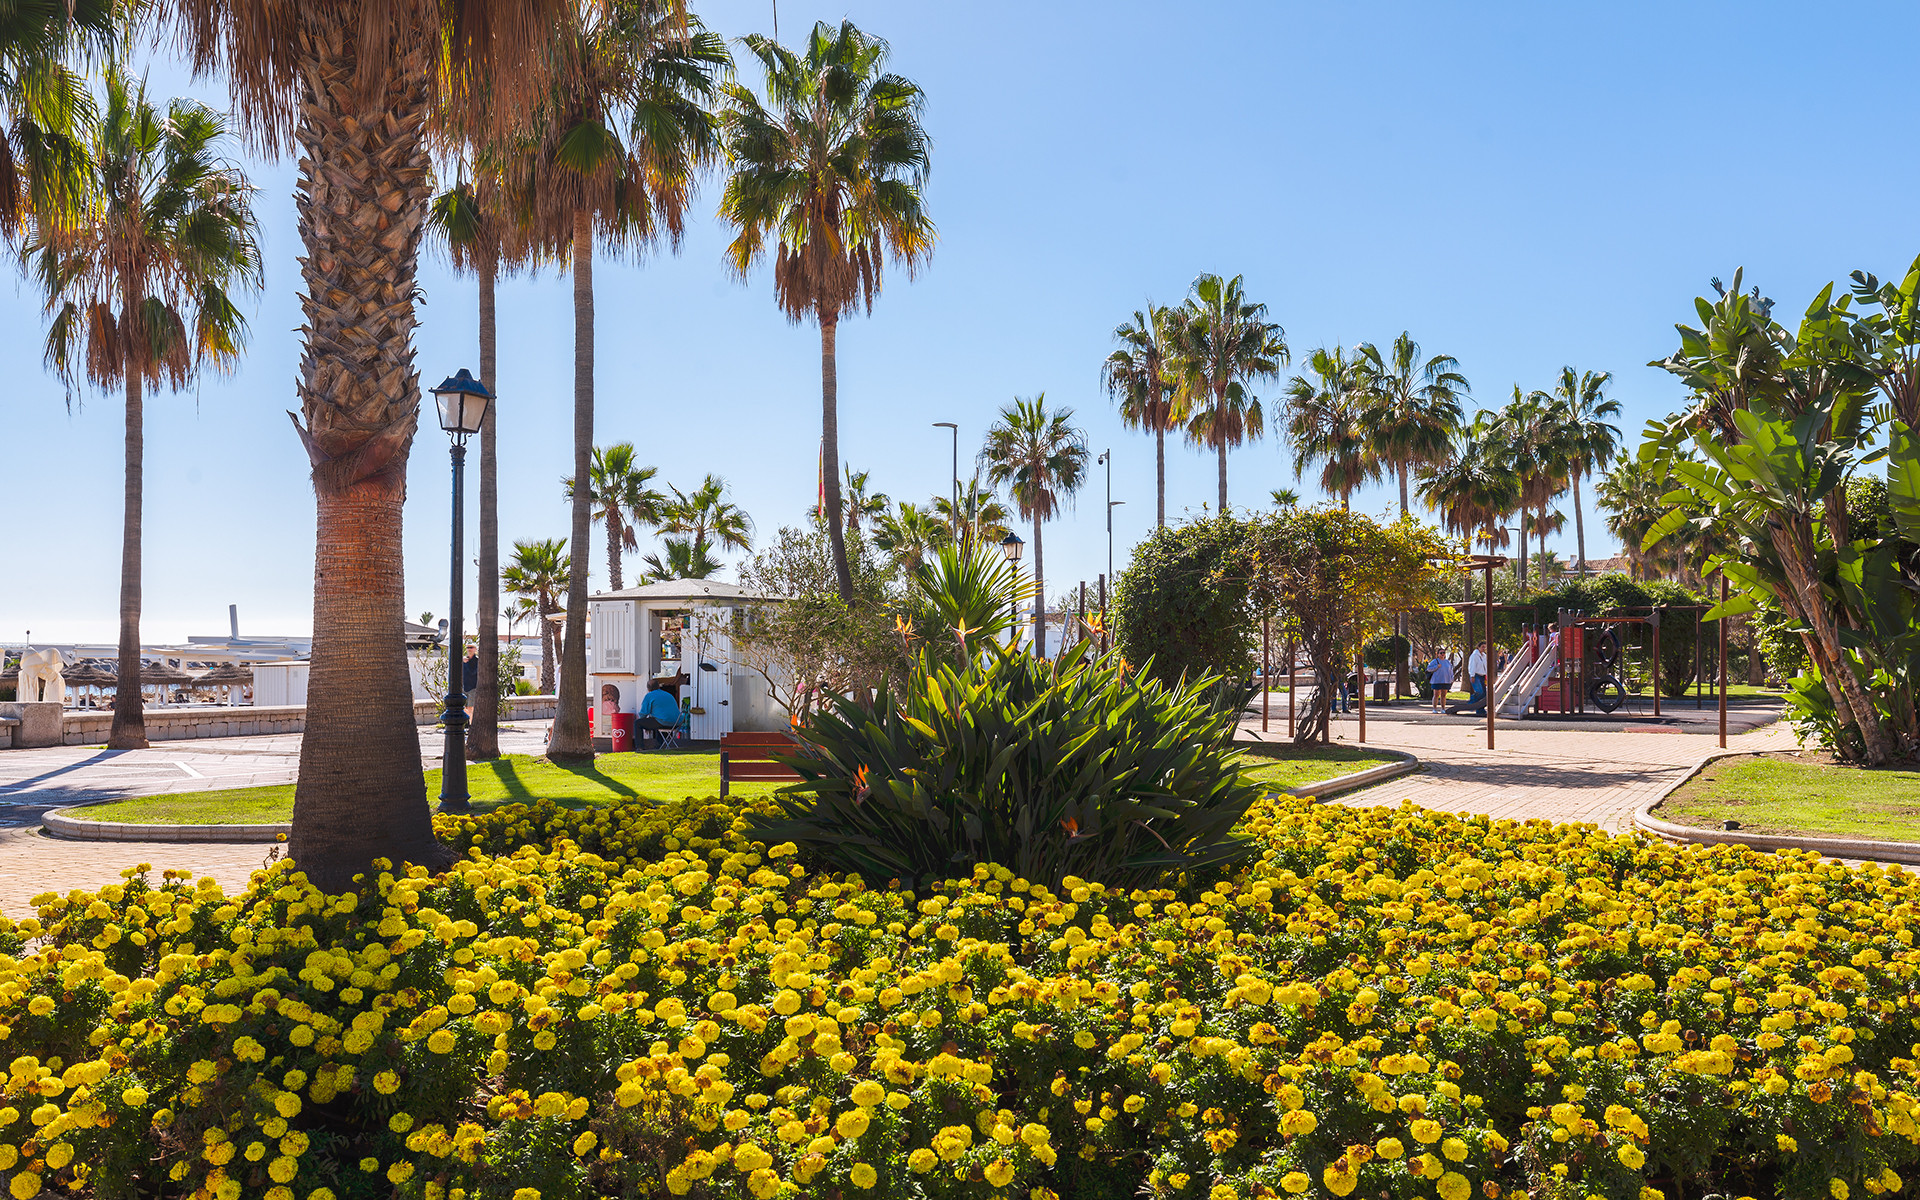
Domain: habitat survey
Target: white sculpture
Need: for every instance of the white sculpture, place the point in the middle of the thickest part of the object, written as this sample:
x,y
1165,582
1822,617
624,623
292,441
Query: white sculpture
x,y
41,678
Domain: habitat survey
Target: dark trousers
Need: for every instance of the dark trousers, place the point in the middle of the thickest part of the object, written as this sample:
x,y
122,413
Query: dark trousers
x,y
648,725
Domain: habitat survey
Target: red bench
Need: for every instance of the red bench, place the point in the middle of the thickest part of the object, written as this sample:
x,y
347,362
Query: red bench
x,y
748,757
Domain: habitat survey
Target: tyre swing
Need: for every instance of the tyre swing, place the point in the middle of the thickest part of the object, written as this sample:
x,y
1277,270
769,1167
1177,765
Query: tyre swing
x,y
1606,692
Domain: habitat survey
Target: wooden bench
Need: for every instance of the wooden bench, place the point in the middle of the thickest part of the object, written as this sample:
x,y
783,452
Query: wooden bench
x,y
749,757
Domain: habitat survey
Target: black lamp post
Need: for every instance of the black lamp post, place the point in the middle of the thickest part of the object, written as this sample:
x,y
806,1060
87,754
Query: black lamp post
x,y
1011,546
463,402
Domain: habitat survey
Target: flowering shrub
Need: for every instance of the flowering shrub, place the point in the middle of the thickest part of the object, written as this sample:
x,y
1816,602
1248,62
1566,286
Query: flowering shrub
x,y
1389,1002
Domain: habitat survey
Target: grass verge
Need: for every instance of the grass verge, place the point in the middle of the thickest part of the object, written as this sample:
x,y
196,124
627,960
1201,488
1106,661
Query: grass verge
x,y
1285,766
1808,794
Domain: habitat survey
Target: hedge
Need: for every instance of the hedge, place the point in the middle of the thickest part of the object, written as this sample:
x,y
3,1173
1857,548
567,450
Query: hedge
x,y
638,1001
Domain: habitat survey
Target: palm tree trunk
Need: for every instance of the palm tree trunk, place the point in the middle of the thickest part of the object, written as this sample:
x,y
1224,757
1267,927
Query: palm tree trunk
x,y
1221,446
830,449
1160,477
572,739
1579,528
129,730
483,734
1403,488
1523,550
547,654
614,532
362,200
1040,593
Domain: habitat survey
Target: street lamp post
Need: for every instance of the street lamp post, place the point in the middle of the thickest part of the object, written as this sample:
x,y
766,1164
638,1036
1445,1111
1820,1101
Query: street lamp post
x,y
953,517
1011,546
463,402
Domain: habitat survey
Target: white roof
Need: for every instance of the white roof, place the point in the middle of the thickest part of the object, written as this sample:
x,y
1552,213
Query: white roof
x,y
685,590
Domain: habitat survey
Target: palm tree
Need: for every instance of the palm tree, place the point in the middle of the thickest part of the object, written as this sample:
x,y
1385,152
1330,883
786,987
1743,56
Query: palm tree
x,y
830,171
351,89
540,573
1630,494
1285,498
1473,489
44,102
138,276
708,519
1222,341
1042,459
1528,431
1135,376
685,558
468,222
1411,407
1326,421
861,504
981,518
910,534
1589,439
621,136
618,491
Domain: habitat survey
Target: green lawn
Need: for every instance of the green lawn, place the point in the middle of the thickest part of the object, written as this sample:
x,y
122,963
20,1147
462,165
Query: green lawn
x,y
1286,766
657,775
1782,794
662,775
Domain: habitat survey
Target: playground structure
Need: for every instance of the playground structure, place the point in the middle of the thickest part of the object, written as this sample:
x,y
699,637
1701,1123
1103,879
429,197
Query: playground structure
x,y
1581,661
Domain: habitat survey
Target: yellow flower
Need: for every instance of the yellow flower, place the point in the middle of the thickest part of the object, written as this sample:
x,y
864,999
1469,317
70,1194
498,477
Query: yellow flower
x,y
922,1160
1425,1131
1339,1177
1296,1182
868,1093
1630,1157
386,1083
852,1123
763,1184
1837,1188
999,1172
1454,1186
863,1175
1389,1148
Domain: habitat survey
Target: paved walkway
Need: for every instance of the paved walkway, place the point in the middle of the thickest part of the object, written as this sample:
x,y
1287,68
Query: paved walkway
x,y
32,781
1556,770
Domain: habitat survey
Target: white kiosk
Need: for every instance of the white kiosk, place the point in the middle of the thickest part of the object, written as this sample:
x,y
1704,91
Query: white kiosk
x,y
676,633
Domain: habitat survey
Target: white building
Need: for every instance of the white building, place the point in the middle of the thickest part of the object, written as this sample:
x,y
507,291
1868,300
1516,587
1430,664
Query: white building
x,y
677,633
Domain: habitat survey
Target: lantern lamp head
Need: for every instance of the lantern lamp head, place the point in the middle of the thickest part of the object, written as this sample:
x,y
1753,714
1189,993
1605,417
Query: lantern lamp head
x,y
463,402
1011,546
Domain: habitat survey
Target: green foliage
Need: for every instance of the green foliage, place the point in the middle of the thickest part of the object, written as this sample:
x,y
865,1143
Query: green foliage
x,y
1616,593
973,592
1076,768
1182,603
1384,653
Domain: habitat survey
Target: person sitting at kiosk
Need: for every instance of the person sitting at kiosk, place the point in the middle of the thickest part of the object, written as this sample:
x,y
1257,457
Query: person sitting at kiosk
x,y
658,711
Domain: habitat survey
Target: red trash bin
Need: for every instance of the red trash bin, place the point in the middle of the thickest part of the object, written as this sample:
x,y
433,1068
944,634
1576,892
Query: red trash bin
x,y
622,732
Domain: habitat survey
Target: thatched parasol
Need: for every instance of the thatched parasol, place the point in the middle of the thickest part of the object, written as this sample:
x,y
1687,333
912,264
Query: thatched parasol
x,y
90,674
152,672
226,675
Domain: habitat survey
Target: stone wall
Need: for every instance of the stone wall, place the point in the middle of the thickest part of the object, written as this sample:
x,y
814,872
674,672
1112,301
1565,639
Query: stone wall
x,y
89,728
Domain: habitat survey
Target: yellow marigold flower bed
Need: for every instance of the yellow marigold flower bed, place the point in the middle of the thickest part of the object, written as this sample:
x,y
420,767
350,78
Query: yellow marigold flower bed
x,y
641,1002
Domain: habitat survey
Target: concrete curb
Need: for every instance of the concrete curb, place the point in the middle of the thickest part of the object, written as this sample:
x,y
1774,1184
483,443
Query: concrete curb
x,y
60,824
1359,779
1645,822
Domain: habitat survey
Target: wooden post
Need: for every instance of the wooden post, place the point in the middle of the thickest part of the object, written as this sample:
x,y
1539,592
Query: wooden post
x,y
1486,628
1656,662
1290,666
1698,699
1266,667
1723,662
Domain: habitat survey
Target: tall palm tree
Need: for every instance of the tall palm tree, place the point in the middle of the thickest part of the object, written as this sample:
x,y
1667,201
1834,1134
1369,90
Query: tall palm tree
x,y
1136,378
1223,342
622,134
1411,408
619,491
1587,435
352,87
138,277
829,169
1529,435
1473,489
468,221
1042,459
708,518
540,573
1630,494
1326,422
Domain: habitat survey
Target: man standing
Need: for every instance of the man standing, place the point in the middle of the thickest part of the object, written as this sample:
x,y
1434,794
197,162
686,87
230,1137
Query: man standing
x,y
1477,679
470,677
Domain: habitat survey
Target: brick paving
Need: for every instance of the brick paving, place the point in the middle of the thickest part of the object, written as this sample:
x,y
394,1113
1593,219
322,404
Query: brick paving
x,y
1554,770
32,781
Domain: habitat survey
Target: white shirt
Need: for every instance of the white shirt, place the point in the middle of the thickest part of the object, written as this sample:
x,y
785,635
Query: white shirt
x,y
1477,663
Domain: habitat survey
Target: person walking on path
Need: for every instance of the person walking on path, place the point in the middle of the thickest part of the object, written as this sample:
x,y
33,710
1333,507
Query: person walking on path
x,y
1440,679
470,677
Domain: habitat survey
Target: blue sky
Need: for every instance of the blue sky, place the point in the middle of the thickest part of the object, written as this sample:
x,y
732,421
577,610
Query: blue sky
x,y
1518,185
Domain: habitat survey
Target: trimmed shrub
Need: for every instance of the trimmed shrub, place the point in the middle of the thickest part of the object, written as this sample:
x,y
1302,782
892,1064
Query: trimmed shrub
x,y
1182,602
1387,1003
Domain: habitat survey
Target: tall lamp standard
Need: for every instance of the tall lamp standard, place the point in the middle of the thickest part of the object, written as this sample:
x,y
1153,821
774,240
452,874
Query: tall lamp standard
x,y
953,516
463,402
1106,460
1011,546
